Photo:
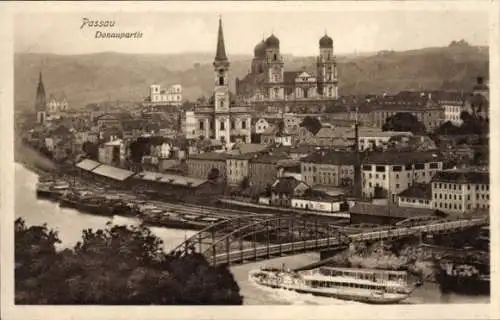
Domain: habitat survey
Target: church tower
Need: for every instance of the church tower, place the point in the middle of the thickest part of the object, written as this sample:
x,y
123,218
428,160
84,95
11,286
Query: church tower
x,y
40,101
327,69
274,69
221,89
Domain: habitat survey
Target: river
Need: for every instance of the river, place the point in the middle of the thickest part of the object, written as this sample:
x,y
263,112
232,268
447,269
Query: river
x,y
69,224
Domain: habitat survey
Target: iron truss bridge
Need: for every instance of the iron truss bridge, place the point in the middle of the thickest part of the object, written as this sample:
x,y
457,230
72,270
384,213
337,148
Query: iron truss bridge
x,y
252,237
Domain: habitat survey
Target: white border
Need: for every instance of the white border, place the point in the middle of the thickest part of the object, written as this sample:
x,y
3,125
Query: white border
x,y
444,311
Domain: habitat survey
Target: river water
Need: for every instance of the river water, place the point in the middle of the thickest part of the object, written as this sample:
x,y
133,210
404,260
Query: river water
x,y
69,223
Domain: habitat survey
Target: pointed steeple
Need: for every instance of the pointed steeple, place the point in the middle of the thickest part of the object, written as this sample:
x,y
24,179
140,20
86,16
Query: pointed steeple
x,y
220,54
40,95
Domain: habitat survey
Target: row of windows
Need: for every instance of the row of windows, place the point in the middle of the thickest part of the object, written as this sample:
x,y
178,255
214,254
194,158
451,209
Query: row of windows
x,y
420,201
455,186
397,168
377,176
455,206
459,197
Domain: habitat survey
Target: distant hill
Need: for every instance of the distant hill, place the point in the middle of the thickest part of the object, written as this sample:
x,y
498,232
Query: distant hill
x,y
113,76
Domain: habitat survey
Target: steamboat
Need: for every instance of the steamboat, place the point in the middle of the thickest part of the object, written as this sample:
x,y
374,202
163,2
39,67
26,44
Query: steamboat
x,y
362,285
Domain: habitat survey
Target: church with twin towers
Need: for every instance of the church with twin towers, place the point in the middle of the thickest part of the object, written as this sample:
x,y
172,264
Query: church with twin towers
x,y
227,117
269,81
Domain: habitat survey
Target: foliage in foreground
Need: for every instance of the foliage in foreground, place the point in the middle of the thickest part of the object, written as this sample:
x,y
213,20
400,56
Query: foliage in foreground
x,y
116,266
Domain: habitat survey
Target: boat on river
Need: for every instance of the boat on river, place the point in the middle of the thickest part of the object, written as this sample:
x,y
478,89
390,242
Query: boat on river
x,y
362,285
51,190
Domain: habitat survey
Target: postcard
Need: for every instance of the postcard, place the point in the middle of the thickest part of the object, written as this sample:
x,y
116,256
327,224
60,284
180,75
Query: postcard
x,y
248,160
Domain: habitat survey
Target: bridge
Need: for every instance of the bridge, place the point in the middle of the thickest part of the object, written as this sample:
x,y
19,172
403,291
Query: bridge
x,y
252,237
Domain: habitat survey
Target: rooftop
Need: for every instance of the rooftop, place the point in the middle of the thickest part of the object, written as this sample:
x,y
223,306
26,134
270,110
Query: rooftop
x,y
399,157
418,190
331,157
87,164
112,172
214,156
462,176
170,179
365,208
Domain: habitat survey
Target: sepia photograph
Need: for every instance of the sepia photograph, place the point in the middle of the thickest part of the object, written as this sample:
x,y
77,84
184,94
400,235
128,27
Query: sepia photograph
x,y
251,157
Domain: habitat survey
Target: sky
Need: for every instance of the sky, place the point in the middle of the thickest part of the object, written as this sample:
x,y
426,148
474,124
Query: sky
x,y
298,31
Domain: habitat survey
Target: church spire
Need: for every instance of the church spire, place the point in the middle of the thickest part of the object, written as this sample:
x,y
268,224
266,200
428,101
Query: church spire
x,y
40,100
220,54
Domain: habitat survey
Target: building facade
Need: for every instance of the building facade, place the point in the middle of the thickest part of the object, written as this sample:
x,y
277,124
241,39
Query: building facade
x,y
392,172
268,80
328,168
457,191
171,96
200,165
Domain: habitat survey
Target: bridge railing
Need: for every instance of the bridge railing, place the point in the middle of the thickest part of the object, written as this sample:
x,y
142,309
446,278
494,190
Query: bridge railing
x,y
395,232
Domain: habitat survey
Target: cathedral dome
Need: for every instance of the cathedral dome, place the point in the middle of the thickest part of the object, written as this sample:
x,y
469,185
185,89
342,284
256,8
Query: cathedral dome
x,y
326,42
260,50
272,42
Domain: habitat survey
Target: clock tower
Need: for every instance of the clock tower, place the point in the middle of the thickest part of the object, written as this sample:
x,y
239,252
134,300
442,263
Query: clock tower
x,y
221,90
327,69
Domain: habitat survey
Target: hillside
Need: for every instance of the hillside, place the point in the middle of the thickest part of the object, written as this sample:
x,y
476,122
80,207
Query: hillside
x,y
117,76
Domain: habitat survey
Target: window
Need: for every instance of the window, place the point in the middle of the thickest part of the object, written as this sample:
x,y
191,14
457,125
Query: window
x,y
202,126
380,168
433,165
233,125
419,166
408,167
376,176
222,125
396,168
243,124
383,177
397,185
367,168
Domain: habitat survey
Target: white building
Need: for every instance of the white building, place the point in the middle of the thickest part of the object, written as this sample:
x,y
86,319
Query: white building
x,y
170,96
394,171
461,190
55,105
369,138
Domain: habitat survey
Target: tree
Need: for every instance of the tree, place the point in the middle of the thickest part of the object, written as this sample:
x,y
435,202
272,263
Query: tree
x,y
405,122
379,193
312,124
117,265
213,174
245,183
91,149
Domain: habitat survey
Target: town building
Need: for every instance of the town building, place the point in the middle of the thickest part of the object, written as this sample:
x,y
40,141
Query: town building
x,y
171,96
391,172
453,104
461,190
373,138
268,80
418,195
238,168
222,119
329,168
319,201
201,165
264,170
286,188
427,111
